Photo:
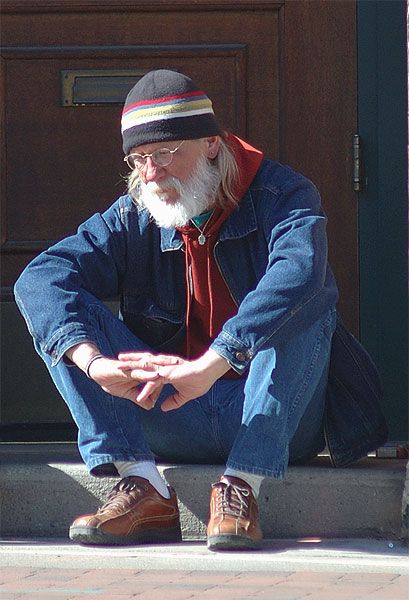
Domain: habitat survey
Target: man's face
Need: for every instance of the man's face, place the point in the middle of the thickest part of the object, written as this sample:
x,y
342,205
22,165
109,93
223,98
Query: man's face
x,y
184,188
183,161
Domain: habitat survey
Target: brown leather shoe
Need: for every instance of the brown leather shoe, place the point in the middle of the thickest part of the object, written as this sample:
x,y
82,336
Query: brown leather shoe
x,y
233,523
134,513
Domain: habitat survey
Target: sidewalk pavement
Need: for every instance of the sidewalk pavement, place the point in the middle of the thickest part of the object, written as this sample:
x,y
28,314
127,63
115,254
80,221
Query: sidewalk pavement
x,y
310,569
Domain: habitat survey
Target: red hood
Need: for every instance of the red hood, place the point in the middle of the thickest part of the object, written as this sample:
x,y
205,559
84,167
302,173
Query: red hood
x,y
248,161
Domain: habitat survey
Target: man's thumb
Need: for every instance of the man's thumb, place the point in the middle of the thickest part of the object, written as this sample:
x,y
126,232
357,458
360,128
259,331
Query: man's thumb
x,y
172,402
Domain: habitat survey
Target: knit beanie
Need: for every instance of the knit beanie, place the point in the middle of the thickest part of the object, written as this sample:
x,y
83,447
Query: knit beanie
x,y
163,106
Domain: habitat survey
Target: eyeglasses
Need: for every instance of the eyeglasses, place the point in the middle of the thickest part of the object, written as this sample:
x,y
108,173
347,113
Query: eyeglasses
x,y
161,157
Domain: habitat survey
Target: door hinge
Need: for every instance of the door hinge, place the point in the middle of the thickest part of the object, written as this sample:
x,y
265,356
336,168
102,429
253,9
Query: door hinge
x,y
359,180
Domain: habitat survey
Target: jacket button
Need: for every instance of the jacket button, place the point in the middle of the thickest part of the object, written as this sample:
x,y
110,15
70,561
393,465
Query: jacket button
x,y
240,356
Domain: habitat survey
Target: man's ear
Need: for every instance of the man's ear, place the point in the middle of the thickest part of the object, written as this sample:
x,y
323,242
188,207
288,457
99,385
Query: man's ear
x,y
212,146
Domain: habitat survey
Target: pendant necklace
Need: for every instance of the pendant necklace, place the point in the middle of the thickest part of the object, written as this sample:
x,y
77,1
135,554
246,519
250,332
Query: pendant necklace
x,y
202,238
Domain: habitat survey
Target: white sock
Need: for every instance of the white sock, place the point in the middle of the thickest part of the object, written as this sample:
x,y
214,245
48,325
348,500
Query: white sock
x,y
253,480
146,469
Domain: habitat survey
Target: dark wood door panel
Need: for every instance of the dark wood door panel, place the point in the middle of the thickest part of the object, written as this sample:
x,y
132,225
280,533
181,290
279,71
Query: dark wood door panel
x,y
64,163
257,29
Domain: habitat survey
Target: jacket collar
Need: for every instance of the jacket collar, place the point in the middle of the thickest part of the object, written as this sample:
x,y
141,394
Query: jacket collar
x,y
170,239
240,223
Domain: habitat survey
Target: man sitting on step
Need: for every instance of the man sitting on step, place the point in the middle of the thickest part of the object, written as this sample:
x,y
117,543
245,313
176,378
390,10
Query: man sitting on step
x,y
221,349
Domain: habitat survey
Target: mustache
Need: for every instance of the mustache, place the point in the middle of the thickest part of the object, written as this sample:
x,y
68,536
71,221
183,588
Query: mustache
x,y
168,184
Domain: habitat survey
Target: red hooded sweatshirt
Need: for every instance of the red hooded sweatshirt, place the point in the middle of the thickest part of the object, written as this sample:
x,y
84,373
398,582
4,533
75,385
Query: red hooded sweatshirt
x,y
209,303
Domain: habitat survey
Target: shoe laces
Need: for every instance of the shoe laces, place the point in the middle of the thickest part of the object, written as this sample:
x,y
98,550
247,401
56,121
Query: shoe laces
x,y
232,499
115,497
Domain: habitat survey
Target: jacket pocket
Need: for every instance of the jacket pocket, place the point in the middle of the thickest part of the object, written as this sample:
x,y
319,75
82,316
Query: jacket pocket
x,y
354,423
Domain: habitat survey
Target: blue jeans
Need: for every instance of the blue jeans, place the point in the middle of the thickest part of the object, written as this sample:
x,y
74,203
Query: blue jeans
x,y
258,423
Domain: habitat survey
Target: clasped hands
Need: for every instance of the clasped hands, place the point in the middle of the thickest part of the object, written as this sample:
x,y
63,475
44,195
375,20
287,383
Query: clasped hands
x,y
140,377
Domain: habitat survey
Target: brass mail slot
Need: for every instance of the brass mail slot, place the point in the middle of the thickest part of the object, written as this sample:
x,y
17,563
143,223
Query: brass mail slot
x,y
97,86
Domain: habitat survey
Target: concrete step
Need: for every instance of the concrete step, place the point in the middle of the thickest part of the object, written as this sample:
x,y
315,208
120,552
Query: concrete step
x,y
43,487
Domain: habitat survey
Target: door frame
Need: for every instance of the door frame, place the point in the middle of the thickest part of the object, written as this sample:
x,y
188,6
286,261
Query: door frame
x,y
383,209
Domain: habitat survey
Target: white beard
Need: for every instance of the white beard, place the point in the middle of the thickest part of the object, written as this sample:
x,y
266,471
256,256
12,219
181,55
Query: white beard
x,y
195,196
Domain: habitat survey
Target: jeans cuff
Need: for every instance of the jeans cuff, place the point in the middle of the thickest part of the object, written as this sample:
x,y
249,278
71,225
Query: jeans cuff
x,y
278,472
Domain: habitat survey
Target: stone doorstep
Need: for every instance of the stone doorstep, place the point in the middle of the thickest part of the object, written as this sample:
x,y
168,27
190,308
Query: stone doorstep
x,y
40,496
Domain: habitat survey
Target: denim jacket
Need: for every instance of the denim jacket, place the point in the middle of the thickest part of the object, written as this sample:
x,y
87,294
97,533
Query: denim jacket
x,y
271,252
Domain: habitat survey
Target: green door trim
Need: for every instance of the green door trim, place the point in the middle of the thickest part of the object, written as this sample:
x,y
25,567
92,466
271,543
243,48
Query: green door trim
x,y
383,208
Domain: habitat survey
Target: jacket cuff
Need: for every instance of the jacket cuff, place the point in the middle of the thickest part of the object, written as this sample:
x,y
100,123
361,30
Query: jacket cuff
x,y
234,351
64,339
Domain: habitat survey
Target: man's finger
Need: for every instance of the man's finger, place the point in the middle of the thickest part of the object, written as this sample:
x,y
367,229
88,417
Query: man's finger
x,y
145,360
143,376
137,356
146,370
173,402
149,394
166,360
130,365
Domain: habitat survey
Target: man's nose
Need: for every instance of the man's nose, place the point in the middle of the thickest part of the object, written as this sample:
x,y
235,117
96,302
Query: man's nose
x,y
151,171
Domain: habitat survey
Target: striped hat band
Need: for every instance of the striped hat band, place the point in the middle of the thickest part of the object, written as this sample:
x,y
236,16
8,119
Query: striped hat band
x,y
171,107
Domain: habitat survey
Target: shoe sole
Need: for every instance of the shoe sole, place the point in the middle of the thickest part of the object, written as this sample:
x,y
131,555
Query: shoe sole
x,y
232,542
94,536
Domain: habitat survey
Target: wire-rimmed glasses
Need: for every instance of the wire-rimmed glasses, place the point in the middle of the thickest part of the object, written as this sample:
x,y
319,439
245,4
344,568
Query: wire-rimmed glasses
x,y
161,157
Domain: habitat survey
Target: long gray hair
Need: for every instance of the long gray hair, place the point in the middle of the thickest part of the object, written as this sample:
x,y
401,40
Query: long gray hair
x,y
229,176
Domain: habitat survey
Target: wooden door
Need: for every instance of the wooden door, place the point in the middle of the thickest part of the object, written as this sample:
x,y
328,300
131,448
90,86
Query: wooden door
x,y
280,73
